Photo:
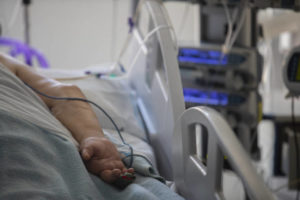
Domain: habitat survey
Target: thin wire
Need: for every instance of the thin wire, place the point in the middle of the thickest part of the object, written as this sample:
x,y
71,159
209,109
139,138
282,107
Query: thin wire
x,y
94,104
138,155
296,143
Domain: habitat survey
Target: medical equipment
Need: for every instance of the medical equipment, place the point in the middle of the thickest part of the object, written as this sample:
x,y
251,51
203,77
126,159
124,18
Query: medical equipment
x,y
291,72
225,68
152,73
124,180
226,82
291,77
294,4
26,4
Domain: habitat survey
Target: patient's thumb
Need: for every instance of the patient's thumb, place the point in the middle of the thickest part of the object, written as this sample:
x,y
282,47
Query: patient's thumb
x,y
85,154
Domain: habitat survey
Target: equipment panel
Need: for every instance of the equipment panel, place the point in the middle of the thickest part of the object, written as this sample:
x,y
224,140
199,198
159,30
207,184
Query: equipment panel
x,y
227,83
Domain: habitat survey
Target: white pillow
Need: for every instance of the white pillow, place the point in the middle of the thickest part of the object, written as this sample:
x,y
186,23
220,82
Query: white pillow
x,y
113,95
117,100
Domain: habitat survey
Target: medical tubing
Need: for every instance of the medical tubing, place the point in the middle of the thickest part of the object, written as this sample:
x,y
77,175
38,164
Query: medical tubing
x,y
94,104
232,36
239,26
230,26
149,34
134,20
146,38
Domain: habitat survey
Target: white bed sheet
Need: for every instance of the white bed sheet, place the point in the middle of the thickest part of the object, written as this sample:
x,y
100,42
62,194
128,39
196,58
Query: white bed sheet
x,y
112,94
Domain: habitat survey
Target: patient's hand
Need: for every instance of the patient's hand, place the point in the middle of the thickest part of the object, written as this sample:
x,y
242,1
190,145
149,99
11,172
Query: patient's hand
x,y
102,158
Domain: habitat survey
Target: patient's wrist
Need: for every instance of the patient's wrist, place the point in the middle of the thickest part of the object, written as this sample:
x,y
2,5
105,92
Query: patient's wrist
x,y
90,134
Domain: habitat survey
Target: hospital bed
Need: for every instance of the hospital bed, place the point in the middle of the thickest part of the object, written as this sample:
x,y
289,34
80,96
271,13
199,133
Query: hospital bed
x,y
150,70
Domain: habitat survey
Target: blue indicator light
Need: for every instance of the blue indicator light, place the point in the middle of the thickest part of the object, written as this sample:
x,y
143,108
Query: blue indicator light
x,y
202,57
205,97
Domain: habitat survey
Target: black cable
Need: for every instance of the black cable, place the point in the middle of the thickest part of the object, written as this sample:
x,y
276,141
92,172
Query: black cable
x,y
97,106
138,155
296,145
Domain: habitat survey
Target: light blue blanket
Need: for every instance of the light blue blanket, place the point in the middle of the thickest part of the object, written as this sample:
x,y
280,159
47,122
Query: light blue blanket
x,y
36,164
39,158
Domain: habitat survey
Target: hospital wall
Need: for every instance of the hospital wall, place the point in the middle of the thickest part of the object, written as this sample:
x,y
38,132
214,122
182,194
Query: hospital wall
x,y
76,33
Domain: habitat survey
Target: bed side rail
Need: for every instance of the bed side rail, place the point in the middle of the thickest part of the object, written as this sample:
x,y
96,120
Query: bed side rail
x,y
155,78
196,179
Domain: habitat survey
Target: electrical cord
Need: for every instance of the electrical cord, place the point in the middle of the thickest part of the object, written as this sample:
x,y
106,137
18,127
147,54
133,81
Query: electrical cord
x,y
97,106
296,144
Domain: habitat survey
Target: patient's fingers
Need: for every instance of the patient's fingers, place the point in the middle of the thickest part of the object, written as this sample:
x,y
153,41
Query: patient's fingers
x,y
95,166
130,170
86,154
116,172
109,176
103,165
87,151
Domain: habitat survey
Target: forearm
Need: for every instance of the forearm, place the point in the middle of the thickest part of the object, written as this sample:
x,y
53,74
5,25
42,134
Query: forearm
x,y
76,116
100,155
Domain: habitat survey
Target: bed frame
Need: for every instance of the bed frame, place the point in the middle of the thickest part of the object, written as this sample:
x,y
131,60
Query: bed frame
x,y
156,80
155,77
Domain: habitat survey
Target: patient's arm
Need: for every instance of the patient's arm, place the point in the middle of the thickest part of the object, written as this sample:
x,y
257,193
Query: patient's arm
x,y
100,155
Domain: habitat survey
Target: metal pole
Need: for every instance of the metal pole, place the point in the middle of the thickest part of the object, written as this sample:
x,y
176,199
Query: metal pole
x,y
26,4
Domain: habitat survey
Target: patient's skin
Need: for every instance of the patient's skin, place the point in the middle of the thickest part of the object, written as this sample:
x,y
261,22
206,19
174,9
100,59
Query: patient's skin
x,y
99,154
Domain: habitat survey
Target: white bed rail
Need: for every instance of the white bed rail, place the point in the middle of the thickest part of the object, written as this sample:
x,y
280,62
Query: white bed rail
x,y
155,78
193,179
